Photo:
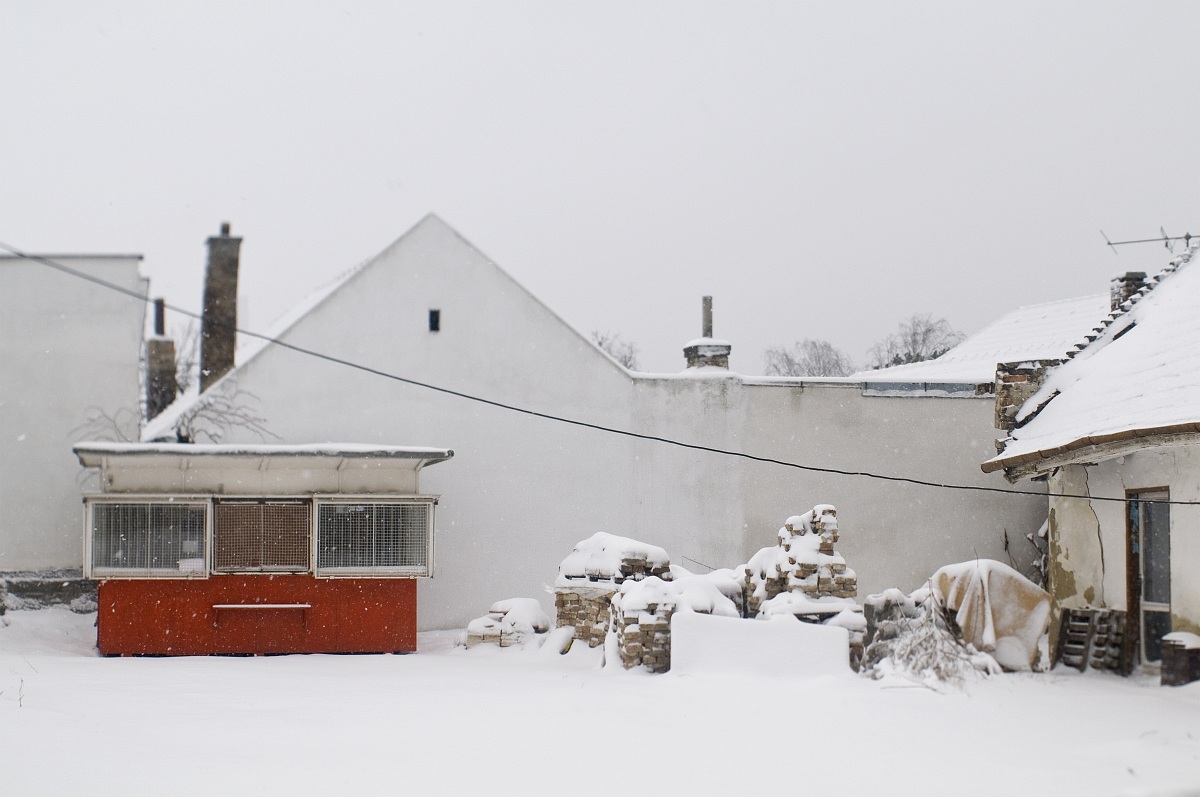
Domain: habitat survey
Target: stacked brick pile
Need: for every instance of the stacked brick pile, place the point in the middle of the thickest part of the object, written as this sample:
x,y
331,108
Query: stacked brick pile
x,y
595,570
507,623
587,610
804,563
641,614
644,638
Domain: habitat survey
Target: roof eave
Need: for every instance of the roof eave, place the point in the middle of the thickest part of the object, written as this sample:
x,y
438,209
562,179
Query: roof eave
x,y
1094,448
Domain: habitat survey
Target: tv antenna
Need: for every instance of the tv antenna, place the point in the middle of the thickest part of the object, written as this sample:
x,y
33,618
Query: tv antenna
x,y
1168,241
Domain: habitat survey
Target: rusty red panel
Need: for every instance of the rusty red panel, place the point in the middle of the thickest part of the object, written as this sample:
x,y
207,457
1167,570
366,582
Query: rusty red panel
x,y
183,618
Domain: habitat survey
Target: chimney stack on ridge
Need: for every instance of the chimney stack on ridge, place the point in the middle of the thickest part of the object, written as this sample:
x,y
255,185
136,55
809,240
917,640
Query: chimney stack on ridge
x,y
219,323
706,352
1125,286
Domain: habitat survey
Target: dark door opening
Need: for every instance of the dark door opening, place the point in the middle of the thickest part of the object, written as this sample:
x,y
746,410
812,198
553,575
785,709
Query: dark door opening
x,y
1148,571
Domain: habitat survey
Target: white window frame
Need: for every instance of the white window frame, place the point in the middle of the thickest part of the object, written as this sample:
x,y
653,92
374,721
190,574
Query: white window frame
x,y
374,500
208,501
139,573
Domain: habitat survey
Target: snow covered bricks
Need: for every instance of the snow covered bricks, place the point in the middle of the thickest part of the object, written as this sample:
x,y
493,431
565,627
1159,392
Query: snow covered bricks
x,y
592,573
510,622
624,592
640,628
803,568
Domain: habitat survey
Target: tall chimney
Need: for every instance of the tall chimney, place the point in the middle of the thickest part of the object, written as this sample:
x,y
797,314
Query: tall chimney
x,y
1124,286
161,387
219,323
707,352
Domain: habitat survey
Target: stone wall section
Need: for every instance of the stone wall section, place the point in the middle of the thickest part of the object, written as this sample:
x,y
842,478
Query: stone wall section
x,y
1015,384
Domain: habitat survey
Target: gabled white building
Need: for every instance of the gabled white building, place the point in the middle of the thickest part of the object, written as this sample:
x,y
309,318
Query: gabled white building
x,y
525,489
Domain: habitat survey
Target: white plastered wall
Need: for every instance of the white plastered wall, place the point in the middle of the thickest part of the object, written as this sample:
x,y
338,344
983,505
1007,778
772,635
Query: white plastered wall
x,y
66,345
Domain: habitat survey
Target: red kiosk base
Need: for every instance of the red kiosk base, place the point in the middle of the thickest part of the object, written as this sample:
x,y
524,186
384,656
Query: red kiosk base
x,y
256,615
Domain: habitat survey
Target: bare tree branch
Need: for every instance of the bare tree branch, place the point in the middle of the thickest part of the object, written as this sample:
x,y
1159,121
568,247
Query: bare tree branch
x,y
807,358
219,411
620,350
122,426
919,338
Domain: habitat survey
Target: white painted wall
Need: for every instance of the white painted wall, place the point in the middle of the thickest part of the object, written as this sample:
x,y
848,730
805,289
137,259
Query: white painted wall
x,y
65,345
1092,537
521,491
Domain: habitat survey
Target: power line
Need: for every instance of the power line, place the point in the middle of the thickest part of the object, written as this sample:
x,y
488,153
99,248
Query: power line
x,y
557,418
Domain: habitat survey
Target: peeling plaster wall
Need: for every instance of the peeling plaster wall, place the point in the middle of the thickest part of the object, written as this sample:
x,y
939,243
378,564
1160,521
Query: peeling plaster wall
x,y
1076,550
1178,469
1088,538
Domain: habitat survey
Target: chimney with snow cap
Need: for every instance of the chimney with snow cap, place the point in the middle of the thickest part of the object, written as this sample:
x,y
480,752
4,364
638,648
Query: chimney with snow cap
x,y
1125,286
219,322
706,351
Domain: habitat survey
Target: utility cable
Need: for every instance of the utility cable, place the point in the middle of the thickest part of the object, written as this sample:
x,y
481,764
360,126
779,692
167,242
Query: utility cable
x,y
571,421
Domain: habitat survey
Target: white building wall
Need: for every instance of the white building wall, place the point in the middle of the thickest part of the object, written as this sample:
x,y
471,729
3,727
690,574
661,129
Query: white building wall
x,y
521,491
893,534
66,345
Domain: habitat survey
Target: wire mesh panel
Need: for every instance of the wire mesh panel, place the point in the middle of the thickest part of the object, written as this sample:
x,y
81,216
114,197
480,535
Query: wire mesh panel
x,y
147,538
379,539
261,536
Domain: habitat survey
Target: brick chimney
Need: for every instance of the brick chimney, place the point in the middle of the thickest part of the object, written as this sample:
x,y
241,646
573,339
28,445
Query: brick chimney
x,y
1124,286
706,352
217,327
161,387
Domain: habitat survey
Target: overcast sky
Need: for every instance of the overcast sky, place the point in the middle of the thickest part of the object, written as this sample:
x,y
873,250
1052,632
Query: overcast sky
x,y
824,170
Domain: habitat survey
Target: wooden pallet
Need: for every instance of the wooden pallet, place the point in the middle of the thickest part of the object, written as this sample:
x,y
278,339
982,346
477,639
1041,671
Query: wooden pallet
x,y
1095,638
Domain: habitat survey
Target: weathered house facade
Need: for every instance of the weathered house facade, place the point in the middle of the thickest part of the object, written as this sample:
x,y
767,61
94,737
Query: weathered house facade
x,y
1115,434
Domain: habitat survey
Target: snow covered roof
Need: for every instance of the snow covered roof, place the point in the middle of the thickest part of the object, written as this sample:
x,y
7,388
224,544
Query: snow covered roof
x,y
93,454
1136,384
1034,332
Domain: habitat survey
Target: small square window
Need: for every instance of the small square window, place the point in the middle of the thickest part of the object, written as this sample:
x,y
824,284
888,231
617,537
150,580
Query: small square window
x,y
435,320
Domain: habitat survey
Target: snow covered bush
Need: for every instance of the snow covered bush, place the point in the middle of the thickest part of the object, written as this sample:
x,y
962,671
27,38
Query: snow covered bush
x,y
978,616
915,640
508,622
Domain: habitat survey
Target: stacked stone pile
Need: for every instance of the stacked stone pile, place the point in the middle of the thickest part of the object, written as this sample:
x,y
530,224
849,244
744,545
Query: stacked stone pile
x,y
594,571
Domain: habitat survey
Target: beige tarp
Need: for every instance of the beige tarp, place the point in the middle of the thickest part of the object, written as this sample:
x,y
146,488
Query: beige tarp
x,y
999,611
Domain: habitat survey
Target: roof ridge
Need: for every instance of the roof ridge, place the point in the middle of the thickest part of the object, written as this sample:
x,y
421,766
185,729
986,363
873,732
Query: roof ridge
x,y
1068,300
1125,307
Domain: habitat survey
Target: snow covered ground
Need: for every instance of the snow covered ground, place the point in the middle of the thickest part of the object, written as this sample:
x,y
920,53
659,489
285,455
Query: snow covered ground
x,y
531,722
